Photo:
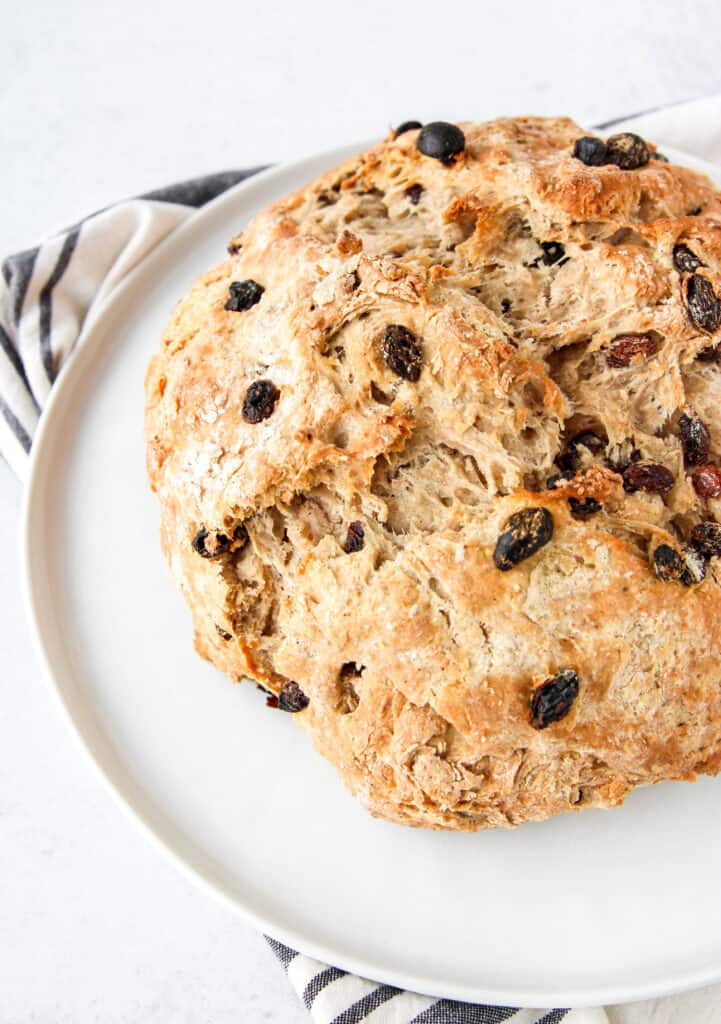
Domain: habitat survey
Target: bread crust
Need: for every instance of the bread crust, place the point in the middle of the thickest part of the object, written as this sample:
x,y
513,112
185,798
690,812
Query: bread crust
x,y
418,655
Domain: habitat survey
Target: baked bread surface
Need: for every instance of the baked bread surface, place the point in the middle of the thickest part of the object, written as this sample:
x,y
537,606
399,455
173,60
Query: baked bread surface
x,y
338,524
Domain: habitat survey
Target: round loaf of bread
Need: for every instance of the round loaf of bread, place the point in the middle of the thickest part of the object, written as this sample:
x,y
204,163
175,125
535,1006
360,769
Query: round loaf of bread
x,y
436,451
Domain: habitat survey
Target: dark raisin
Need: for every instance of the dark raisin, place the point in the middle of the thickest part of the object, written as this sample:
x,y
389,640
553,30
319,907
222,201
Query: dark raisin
x,y
590,151
291,698
402,352
711,354
210,543
707,480
407,126
553,699
198,543
647,476
627,151
441,140
259,401
572,458
629,348
704,309
234,247
694,567
695,440
505,306
323,199
524,533
354,539
668,563
552,253
684,260
214,543
706,538
414,193
271,701
350,670
660,157
582,508
244,295
554,480
223,633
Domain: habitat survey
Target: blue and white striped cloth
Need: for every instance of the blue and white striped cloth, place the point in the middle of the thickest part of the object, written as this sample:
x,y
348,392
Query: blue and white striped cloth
x,y
50,295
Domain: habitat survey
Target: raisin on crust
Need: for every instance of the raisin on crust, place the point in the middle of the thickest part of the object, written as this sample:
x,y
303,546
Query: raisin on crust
x,y
440,354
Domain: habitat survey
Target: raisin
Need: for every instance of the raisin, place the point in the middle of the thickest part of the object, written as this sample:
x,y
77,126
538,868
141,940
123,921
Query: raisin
x,y
402,352
628,348
244,295
351,670
553,252
213,543
553,481
355,538
234,247
710,354
441,140
647,476
684,260
407,126
291,698
707,480
687,567
198,544
704,309
323,199
414,193
590,151
695,567
271,701
223,633
572,459
524,533
627,151
695,440
259,401
210,543
553,699
582,508
668,563
505,306
706,538
661,158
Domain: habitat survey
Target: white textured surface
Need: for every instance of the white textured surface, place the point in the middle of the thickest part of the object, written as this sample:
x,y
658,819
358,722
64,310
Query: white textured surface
x,y
97,101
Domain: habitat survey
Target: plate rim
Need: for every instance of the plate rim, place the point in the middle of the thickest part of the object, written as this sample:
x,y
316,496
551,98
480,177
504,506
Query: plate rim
x,y
89,342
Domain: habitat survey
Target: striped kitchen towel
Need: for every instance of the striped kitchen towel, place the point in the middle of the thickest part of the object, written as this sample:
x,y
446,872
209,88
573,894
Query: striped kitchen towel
x,y
50,295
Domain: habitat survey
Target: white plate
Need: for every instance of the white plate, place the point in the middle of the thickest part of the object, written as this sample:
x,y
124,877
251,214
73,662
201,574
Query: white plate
x,y
585,909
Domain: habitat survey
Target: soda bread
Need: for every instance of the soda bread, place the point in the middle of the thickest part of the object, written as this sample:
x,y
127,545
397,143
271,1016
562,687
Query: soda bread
x,y
436,452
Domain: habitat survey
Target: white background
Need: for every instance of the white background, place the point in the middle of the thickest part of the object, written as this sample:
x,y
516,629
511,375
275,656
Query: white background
x,y
98,101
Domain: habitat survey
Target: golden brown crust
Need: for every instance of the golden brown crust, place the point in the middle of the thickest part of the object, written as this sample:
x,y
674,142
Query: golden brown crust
x,y
420,656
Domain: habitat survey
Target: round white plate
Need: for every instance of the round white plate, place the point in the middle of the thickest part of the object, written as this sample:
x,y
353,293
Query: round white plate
x,y
585,909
